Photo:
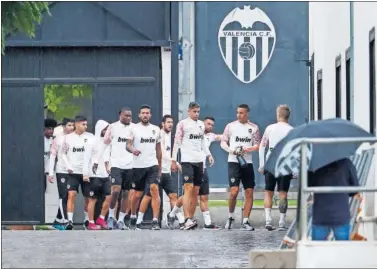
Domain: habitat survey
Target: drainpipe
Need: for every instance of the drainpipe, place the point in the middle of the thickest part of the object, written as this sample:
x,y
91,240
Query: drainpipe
x,y
352,59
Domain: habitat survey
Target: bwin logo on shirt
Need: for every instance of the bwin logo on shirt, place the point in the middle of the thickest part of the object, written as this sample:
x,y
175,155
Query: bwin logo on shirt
x,y
196,136
147,140
121,139
243,139
246,40
82,149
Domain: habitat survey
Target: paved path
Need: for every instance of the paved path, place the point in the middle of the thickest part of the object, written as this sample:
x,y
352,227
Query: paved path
x,y
133,249
140,249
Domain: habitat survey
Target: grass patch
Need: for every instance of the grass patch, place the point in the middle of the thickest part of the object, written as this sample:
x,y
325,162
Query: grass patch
x,y
259,203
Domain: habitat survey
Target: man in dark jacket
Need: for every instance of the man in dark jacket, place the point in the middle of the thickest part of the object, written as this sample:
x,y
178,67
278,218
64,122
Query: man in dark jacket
x,y
331,211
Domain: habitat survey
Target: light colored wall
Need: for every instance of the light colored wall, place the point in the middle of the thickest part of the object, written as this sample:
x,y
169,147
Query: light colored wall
x,y
329,37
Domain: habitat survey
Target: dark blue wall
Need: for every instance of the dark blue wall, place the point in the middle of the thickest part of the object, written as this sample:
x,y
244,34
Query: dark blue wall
x,y
284,81
101,24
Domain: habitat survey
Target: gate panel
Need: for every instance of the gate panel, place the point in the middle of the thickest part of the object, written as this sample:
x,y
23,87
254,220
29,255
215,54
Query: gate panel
x,y
109,99
22,170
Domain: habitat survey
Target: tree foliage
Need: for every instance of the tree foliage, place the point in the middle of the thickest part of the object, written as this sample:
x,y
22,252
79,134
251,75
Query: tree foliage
x,y
17,16
64,100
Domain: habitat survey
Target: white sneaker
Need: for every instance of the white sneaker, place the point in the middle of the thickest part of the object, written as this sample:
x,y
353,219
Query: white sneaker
x,y
282,226
269,226
247,227
229,223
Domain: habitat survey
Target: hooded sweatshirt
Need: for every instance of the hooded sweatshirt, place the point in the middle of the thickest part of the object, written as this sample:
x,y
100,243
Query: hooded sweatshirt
x,y
92,150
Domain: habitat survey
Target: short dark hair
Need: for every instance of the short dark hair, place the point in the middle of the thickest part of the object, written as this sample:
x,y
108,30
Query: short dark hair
x,y
193,105
210,118
124,109
80,118
165,117
145,106
245,106
66,121
50,123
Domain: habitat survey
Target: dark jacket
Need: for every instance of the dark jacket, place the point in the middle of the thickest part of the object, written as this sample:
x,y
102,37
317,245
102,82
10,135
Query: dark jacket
x,y
332,209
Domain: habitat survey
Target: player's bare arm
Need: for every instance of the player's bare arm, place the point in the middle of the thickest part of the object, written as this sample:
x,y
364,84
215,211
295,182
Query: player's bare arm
x,y
130,148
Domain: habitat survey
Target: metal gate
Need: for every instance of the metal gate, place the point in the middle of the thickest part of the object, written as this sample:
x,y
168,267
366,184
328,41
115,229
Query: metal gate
x,y
118,77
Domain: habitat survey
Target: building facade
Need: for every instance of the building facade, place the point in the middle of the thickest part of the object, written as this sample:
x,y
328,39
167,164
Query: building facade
x,y
343,51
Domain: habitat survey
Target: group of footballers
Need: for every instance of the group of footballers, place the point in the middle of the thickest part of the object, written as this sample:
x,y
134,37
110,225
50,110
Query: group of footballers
x,y
125,159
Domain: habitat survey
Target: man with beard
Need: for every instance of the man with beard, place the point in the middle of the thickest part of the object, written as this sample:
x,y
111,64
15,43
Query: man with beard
x,y
121,166
73,157
166,183
97,183
144,143
56,163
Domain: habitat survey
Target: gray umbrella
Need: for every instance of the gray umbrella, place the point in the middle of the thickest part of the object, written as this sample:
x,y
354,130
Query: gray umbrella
x,y
285,157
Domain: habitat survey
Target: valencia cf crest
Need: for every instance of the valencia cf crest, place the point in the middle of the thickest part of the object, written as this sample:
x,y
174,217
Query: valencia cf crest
x,y
85,140
91,193
62,180
153,132
133,185
246,40
186,178
250,131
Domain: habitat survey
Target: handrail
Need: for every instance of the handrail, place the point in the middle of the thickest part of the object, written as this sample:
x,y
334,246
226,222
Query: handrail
x,y
339,189
332,140
305,190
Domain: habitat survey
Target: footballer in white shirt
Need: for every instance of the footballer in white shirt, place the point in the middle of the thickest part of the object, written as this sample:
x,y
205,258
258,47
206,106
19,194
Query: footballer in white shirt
x,y
240,139
49,125
57,164
98,184
143,142
272,135
189,138
166,182
121,168
73,156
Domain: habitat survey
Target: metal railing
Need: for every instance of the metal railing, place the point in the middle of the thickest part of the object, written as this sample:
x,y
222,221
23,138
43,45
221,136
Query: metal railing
x,y
305,190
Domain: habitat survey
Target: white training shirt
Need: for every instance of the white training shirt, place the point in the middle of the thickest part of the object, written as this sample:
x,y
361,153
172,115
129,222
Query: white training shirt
x,y
190,139
166,152
241,134
145,138
74,151
272,135
92,149
57,152
47,149
116,136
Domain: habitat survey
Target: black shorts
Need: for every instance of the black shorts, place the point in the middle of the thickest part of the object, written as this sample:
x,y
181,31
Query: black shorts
x,y
204,188
283,183
239,174
74,181
97,187
121,177
145,176
192,173
166,184
62,182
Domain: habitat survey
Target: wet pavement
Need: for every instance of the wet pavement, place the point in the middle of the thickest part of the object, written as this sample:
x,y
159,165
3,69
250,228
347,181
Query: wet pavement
x,y
137,249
